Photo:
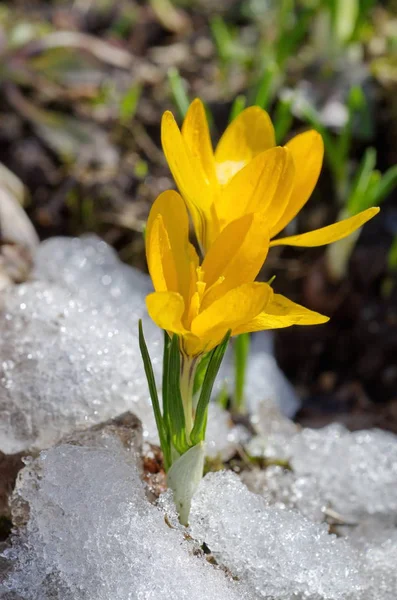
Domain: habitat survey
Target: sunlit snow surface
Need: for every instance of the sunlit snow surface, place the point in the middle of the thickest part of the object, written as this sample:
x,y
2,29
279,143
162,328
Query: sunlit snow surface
x,y
93,535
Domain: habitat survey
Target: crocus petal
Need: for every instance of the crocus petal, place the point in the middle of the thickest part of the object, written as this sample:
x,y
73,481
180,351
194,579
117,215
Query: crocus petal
x,y
307,150
237,255
196,134
250,133
194,346
236,307
264,185
189,176
166,310
159,257
329,234
170,255
281,312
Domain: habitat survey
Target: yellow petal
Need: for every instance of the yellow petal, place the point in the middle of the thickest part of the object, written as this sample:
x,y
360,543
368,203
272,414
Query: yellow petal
x,y
237,255
281,312
250,133
196,134
159,257
329,234
236,307
171,258
194,346
307,151
189,177
264,185
166,310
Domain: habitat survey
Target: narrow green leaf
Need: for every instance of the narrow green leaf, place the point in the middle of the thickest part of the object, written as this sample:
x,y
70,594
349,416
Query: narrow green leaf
x,y
200,372
178,91
129,103
355,104
223,38
165,390
198,432
176,415
385,186
241,352
360,185
238,105
166,355
147,363
265,89
283,118
346,13
290,37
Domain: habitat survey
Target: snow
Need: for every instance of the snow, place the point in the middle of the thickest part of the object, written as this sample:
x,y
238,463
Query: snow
x,y
93,535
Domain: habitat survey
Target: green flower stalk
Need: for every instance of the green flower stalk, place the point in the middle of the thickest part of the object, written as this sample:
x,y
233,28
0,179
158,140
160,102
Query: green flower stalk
x,y
182,419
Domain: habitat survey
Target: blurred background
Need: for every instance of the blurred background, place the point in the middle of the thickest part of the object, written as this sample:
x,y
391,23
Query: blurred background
x,y
83,86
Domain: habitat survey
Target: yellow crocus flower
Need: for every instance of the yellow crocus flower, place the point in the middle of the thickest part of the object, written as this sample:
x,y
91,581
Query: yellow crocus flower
x,y
247,173
202,302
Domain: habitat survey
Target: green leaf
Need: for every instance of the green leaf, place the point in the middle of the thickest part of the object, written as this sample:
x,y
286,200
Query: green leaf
x,y
357,198
370,187
385,186
223,38
175,413
266,86
184,477
147,363
198,432
238,106
178,91
200,372
283,119
346,13
355,104
165,389
166,356
129,103
241,352
292,31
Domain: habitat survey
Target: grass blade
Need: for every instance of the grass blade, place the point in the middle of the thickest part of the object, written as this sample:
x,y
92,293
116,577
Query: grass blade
x,y
265,89
178,91
222,37
200,372
176,415
360,185
147,363
385,186
241,351
238,105
198,432
283,119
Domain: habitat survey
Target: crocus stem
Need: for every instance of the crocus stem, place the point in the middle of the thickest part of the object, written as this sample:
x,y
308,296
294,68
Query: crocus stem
x,y
188,370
